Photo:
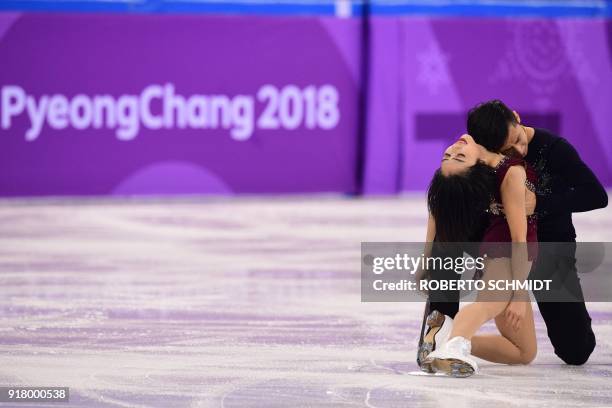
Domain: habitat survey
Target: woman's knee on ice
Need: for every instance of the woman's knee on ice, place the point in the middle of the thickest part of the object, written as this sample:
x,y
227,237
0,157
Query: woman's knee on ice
x,y
528,355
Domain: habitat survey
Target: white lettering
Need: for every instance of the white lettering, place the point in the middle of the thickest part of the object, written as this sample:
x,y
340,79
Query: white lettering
x,y
160,106
13,102
37,116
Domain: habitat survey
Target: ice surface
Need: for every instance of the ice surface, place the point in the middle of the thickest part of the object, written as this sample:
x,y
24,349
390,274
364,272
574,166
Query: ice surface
x,y
242,302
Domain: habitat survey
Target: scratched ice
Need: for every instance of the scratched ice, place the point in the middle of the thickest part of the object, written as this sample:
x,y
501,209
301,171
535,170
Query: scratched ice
x,y
243,302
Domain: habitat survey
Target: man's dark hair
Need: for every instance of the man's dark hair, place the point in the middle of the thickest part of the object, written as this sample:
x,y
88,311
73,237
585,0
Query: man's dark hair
x,y
488,124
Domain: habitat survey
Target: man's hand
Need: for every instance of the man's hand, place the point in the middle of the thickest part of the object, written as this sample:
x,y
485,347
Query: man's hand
x,y
515,313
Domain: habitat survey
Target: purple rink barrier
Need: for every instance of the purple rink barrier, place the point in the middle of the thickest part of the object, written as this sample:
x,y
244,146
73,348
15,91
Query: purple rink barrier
x,y
95,104
428,72
157,104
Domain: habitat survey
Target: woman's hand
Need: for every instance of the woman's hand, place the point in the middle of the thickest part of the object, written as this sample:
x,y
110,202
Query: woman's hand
x,y
515,313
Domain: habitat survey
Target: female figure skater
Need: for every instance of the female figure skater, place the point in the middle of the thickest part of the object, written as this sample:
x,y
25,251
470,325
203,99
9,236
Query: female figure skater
x,y
457,196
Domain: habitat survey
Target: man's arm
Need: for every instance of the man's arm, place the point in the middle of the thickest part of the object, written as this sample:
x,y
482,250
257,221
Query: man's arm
x,y
584,192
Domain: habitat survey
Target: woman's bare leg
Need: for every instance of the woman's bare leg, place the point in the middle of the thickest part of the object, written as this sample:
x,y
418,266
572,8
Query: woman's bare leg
x,y
488,303
512,346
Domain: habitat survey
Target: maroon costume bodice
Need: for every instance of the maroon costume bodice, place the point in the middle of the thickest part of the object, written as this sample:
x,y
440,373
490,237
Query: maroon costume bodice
x,y
498,229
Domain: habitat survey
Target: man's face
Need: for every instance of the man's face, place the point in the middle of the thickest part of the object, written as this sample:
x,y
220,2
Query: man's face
x,y
517,143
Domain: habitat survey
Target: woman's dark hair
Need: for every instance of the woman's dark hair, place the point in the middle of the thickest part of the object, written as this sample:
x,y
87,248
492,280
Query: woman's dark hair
x,y
488,124
459,203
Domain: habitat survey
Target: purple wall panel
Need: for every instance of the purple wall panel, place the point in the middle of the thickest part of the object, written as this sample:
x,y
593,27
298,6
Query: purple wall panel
x,y
65,66
169,104
556,74
382,148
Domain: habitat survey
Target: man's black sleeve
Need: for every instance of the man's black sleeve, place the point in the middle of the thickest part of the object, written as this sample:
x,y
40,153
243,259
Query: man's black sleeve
x,y
584,192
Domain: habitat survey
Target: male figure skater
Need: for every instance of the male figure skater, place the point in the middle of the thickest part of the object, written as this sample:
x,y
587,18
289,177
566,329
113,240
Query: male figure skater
x,y
567,185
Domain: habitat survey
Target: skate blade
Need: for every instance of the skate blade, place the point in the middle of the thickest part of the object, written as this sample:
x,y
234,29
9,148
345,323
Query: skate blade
x,y
435,320
424,374
427,368
452,367
424,350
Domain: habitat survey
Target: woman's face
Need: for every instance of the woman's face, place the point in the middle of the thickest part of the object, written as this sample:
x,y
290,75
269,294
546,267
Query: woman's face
x,y
459,156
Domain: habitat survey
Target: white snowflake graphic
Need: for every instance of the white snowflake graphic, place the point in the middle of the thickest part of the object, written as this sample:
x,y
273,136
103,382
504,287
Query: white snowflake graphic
x,y
433,69
540,54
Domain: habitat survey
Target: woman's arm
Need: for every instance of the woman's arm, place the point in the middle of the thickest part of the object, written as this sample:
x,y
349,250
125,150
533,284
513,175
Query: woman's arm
x,y
431,229
429,238
513,199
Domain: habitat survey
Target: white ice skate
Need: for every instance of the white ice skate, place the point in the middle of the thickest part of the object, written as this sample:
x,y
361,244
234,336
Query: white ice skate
x,y
440,327
453,358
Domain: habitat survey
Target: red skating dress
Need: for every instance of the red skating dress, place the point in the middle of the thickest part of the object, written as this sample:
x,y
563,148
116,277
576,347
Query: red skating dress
x,y
498,229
